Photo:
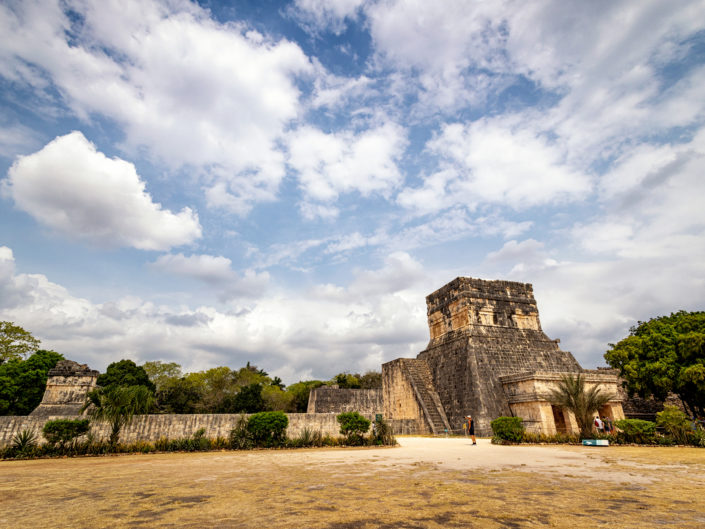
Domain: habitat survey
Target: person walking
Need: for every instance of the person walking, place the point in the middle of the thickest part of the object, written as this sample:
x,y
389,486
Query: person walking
x,y
471,428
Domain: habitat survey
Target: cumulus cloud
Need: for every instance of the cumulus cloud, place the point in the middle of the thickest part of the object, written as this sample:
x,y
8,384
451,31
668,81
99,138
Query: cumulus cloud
x,y
190,91
330,164
215,271
71,188
496,161
291,333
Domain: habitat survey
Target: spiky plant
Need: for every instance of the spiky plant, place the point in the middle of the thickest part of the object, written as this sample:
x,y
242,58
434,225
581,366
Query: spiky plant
x,y
25,441
572,395
118,405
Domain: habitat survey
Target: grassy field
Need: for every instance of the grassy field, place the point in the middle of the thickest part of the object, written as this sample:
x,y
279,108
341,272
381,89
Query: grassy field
x,y
425,483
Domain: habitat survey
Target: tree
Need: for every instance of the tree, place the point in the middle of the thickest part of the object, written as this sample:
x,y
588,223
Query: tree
x,y
370,380
118,405
15,342
346,380
248,400
180,395
216,386
675,422
125,373
300,392
353,426
664,355
22,382
160,373
572,395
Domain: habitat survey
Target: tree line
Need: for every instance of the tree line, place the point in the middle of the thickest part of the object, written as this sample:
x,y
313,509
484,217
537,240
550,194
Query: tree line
x,y
249,389
665,355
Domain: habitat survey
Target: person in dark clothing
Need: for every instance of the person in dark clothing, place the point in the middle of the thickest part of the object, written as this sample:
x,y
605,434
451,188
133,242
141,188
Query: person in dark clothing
x,y
471,429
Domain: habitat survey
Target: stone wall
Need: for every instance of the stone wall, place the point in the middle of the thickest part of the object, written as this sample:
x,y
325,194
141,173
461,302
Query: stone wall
x,y
154,427
337,400
399,398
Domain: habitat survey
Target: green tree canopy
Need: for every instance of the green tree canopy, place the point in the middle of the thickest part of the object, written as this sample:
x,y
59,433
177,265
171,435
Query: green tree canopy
x,y
179,395
346,380
370,380
300,392
125,373
22,382
15,342
664,355
160,373
248,400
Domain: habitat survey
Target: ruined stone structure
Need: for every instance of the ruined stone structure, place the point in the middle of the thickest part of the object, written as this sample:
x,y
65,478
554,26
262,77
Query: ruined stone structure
x,y
331,399
68,383
488,357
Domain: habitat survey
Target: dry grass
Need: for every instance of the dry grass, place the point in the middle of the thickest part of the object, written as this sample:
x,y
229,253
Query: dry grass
x,y
340,489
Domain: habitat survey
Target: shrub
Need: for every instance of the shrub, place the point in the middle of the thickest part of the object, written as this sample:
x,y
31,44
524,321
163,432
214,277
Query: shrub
x,y
61,431
240,437
636,431
24,444
353,426
268,428
697,438
328,440
509,429
674,422
557,438
382,433
307,437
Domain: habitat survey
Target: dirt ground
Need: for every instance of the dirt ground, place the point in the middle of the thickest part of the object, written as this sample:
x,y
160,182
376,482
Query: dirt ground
x,y
424,483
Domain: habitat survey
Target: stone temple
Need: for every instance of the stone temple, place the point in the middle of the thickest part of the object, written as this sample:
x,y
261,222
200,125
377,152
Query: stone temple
x,y
487,357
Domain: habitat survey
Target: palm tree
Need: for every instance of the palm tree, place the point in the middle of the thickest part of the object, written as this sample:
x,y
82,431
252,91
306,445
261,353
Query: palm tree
x,y
572,395
118,405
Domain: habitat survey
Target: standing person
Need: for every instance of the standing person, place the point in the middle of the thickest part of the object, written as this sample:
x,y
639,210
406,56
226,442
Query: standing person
x,y
471,429
598,424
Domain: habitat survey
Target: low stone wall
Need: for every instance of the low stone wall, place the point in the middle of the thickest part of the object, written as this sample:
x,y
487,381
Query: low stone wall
x,y
154,427
338,400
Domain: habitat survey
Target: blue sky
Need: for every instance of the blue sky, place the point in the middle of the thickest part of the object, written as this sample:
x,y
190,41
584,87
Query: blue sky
x,y
284,182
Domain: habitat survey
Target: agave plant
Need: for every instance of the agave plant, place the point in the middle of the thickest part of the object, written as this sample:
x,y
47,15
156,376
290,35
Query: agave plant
x,y
572,395
24,441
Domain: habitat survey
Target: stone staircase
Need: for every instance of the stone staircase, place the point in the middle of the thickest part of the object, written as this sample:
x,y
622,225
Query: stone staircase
x,y
420,377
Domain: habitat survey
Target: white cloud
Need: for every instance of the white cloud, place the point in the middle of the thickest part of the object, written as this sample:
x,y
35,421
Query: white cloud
x,y
291,332
217,272
333,91
496,161
189,90
325,15
16,138
436,47
343,162
73,189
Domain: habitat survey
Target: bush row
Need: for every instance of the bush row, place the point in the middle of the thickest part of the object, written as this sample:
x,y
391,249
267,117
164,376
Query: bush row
x,y
672,427
261,430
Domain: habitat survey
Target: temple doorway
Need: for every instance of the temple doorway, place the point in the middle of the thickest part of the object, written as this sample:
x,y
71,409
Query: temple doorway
x,y
559,419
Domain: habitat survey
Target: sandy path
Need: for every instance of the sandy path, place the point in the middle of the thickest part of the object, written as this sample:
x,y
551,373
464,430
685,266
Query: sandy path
x,y
424,483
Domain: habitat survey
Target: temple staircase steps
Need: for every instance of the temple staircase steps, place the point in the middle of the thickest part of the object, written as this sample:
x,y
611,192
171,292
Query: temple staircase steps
x,y
421,380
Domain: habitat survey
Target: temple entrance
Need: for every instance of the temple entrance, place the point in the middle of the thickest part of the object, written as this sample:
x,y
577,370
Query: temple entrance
x,y
559,419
